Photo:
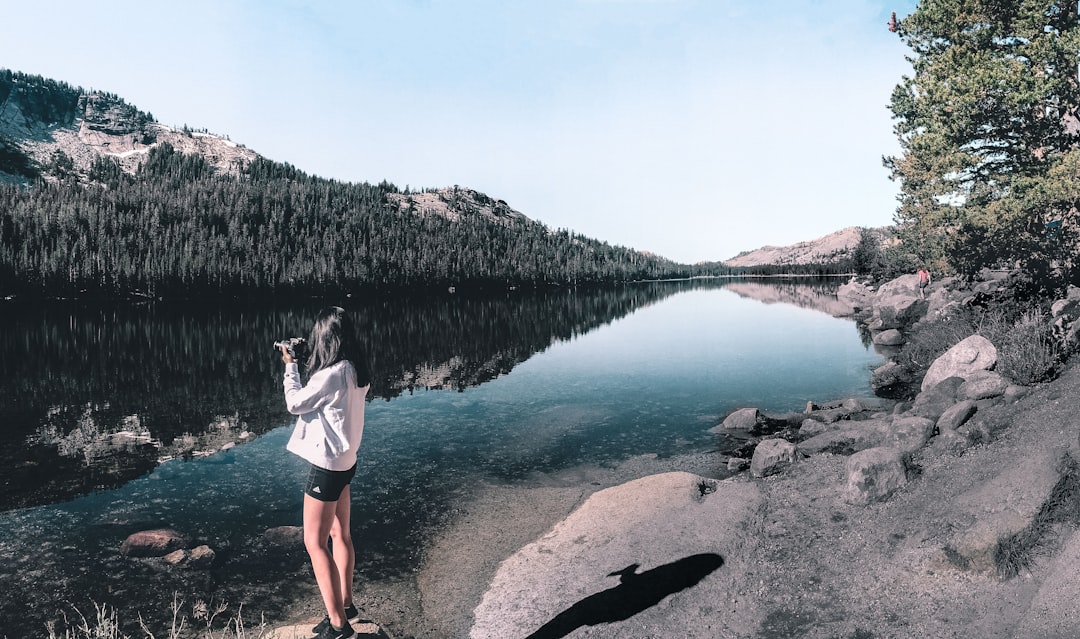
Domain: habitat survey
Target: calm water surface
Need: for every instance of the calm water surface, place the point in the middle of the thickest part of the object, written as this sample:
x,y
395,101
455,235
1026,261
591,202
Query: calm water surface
x,y
114,416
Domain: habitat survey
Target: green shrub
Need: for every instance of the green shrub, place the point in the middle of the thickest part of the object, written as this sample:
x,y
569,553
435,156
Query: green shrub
x,y
1027,349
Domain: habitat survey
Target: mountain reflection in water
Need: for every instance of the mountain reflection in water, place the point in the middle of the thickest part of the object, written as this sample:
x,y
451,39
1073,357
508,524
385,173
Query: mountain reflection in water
x,y
106,392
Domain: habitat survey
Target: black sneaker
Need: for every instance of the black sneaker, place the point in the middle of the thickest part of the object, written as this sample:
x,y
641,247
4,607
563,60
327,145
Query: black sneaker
x,y
329,632
351,613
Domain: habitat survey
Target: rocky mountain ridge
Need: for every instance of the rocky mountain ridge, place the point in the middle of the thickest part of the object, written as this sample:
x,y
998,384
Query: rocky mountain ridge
x,y
52,130
823,250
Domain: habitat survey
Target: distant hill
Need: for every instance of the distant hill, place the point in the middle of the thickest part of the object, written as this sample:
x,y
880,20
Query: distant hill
x,y
831,249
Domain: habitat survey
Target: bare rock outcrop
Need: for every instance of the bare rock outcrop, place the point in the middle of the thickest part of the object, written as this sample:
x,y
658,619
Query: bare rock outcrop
x,y
663,552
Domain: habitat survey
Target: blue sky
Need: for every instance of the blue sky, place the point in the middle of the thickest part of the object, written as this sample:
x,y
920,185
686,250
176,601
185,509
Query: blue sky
x,y
694,129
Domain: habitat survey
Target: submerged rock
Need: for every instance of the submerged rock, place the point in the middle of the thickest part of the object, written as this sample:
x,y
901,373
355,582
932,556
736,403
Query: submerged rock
x,y
153,543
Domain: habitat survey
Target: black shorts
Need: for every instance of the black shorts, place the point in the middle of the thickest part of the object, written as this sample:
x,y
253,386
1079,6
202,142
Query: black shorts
x,y
326,485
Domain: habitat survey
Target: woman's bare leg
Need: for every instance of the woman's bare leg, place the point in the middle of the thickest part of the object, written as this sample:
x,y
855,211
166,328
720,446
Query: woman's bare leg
x,y
319,517
342,546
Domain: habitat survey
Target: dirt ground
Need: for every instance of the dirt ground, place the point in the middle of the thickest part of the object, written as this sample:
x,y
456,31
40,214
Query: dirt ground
x,y
825,569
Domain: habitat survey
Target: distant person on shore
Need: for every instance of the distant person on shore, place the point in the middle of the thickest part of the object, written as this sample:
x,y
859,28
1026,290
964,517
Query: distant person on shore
x,y
924,281
329,425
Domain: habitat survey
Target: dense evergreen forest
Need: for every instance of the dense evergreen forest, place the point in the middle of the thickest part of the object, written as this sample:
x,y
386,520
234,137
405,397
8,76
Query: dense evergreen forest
x,y
177,228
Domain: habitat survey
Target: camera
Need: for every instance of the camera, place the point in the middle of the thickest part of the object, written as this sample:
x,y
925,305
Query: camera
x,y
296,347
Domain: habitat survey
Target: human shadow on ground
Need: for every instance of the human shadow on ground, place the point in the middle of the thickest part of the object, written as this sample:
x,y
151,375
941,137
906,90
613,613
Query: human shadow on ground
x,y
635,593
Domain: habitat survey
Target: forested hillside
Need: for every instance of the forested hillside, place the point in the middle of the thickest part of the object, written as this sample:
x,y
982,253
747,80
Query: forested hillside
x,y
177,227
101,200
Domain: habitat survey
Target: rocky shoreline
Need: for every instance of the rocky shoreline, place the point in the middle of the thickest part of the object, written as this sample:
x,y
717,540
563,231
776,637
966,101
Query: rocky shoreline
x,y
951,515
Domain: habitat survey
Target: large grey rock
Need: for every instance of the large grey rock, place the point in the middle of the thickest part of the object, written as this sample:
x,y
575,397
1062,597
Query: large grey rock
x,y
811,427
898,302
974,353
772,456
640,555
874,475
909,433
742,419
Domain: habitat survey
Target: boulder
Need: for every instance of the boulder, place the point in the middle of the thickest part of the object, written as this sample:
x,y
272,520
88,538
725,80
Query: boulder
x,y
855,295
974,353
153,543
874,475
898,303
742,419
889,337
934,401
772,456
909,434
956,415
811,427
1065,309
981,385
890,379
736,464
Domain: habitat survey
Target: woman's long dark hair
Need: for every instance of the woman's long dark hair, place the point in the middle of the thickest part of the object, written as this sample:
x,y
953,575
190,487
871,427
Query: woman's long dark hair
x,y
333,339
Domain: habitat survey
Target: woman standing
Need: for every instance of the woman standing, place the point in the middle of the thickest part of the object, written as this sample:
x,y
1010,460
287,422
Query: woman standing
x,y
329,425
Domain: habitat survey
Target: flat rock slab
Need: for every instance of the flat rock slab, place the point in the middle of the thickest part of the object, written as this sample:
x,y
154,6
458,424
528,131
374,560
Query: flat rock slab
x,y
657,556
1053,613
1004,507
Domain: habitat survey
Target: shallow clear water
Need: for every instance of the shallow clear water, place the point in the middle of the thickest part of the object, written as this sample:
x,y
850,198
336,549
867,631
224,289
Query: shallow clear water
x,y
649,374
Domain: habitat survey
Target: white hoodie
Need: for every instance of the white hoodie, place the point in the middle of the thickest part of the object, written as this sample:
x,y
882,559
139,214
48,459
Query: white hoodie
x,y
330,410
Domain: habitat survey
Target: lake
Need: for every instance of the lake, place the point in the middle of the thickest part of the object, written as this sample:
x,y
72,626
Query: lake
x,y
129,417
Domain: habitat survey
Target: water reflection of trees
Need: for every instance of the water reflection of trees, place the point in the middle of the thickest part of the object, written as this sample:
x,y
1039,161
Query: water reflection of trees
x,y
84,374
95,384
